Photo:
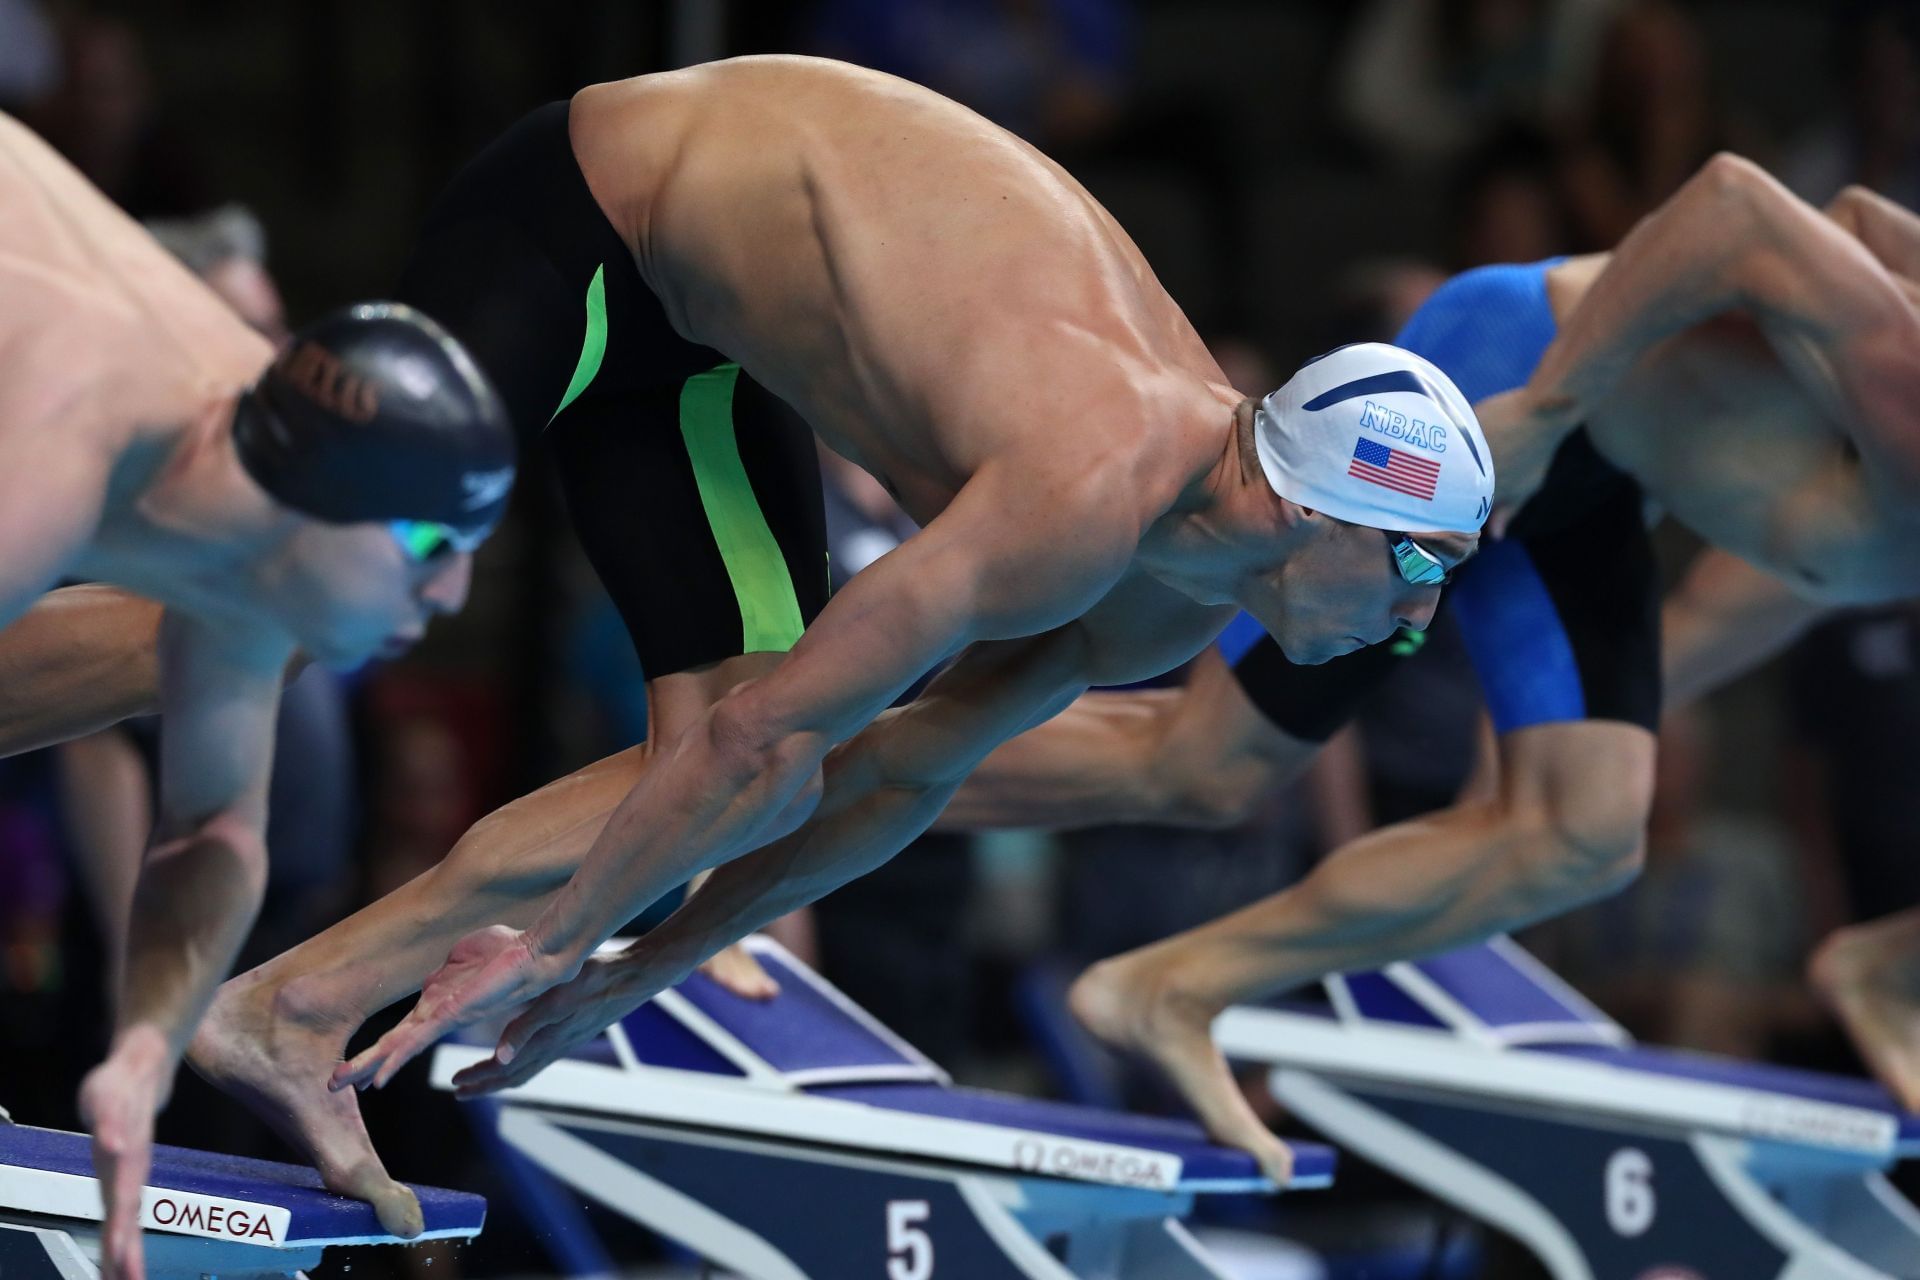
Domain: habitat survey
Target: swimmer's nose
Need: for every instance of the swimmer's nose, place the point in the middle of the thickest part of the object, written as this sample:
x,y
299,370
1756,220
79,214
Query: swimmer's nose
x,y
446,590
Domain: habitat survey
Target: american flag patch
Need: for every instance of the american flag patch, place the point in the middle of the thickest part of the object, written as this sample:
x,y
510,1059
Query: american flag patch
x,y
1392,469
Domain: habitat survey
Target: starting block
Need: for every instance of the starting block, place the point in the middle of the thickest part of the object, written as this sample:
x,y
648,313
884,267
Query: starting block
x,y
799,1139
201,1214
1484,1079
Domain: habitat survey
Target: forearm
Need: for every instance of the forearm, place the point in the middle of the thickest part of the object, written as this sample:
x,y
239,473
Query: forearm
x,y
995,690
192,907
1093,763
692,809
80,659
750,893
881,790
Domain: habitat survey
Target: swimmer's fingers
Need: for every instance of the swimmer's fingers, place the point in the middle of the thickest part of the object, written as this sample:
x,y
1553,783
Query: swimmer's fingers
x,y
536,1051
486,972
493,1075
376,1065
373,1066
568,1016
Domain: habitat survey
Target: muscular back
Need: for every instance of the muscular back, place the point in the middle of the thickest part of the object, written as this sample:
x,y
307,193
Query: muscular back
x,y
928,290
102,332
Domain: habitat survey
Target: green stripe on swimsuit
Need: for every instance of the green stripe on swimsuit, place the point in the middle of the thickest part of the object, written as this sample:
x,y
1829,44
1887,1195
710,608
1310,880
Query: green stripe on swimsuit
x,y
769,609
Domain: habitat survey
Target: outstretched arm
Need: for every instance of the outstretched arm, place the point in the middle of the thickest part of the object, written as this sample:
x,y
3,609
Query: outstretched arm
x,y
882,789
968,576
197,894
1200,755
80,659
1010,557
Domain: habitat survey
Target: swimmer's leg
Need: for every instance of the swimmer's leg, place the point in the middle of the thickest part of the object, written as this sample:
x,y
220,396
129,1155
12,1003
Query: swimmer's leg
x,y
1869,975
1563,827
274,1035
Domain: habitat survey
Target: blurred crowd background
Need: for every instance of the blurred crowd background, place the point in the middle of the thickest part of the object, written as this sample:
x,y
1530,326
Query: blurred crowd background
x,y
1300,173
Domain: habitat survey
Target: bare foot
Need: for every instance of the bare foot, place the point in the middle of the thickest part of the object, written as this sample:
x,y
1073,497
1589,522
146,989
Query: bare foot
x,y
260,1046
737,971
1869,975
1128,1003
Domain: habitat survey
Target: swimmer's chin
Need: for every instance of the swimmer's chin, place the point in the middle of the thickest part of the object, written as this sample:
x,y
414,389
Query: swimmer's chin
x,y
1320,655
346,659
397,645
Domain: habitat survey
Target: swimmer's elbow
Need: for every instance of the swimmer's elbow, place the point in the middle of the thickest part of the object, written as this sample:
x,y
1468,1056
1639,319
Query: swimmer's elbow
x,y
1206,789
1212,801
746,742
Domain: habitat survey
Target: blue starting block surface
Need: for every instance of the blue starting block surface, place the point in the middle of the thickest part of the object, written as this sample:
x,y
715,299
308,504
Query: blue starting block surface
x,y
202,1213
799,1138
1484,1079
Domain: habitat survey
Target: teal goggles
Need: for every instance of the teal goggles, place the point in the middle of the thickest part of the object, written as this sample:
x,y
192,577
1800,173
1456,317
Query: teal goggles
x,y
423,540
1417,565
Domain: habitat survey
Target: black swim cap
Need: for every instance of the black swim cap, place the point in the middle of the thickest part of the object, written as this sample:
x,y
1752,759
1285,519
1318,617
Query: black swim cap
x,y
376,413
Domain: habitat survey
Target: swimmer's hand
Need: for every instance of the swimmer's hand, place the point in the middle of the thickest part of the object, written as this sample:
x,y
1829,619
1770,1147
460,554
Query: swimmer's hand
x,y
118,1101
487,973
606,988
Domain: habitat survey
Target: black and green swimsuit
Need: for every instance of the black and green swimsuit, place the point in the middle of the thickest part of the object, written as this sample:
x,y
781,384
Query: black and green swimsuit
x,y
695,493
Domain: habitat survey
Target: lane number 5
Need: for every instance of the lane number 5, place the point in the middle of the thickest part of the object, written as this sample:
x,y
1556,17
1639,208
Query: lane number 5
x,y
909,1247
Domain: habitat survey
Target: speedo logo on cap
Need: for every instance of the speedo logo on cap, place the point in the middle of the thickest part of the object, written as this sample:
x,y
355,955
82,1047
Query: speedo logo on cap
x,y
484,488
322,377
1383,419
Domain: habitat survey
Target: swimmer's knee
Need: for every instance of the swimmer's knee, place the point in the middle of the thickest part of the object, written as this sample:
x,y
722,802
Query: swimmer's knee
x,y
1583,842
1586,851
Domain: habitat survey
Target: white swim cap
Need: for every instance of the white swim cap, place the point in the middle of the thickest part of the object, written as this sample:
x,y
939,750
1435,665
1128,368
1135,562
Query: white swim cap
x,y
1374,435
